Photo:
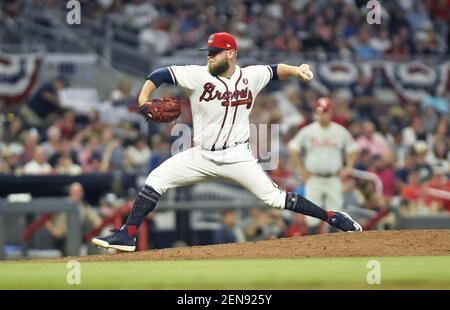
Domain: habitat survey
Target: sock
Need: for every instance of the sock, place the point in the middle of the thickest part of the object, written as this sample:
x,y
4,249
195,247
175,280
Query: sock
x,y
300,204
143,205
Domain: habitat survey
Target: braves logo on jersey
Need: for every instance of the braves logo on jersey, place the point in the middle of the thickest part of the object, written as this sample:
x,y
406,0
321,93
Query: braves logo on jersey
x,y
221,107
235,98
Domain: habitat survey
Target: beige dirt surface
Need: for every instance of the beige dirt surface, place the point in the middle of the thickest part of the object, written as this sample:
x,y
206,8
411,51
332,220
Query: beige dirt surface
x,y
369,243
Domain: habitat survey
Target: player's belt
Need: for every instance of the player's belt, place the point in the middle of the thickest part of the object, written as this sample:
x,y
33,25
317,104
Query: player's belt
x,y
231,145
324,175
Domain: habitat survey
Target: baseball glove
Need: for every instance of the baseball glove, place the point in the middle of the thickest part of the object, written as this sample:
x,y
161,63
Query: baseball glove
x,y
163,110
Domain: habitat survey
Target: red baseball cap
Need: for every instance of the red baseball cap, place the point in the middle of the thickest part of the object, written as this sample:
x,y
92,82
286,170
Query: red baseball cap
x,y
220,41
323,105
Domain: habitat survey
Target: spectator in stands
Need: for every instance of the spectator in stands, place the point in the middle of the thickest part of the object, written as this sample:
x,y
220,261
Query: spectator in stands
x,y
363,99
11,158
112,150
161,151
229,232
108,208
288,101
372,140
355,127
382,167
87,152
342,113
108,203
256,226
53,143
139,14
94,126
398,50
244,41
439,156
297,226
89,218
430,119
354,200
30,142
264,225
364,160
414,132
137,156
411,193
442,129
121,96
155,38
362,46
416,15
276,225
373,200
67,124
396,145
381,43
66,165
39,164
409,164
12,129
44,107
421,149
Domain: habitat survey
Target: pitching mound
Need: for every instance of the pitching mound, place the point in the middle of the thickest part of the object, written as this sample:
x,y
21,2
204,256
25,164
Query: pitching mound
x,y
370,243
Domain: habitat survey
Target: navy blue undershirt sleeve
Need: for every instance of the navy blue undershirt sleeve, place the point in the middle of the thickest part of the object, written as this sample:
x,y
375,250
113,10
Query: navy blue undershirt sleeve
x,y
159,76
275,74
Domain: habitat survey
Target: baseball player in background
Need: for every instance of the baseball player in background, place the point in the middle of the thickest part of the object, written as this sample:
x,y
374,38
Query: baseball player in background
x,y
221,95
324,147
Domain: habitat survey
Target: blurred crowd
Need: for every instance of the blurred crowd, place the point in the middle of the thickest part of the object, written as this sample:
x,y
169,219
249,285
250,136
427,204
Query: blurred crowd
x,y
335,26
406,146
42,137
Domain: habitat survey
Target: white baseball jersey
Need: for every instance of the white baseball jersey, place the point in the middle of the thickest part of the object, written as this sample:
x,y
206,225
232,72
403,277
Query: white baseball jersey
x,y
220,111
324,147
221,106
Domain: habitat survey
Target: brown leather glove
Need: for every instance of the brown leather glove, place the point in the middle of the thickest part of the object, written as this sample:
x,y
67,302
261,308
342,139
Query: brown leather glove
x,y
163,110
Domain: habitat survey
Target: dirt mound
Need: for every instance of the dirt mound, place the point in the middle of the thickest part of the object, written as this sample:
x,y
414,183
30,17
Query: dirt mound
x,y
369,243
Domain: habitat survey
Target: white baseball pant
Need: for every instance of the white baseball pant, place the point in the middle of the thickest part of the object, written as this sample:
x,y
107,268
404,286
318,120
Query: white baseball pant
x,y
237,164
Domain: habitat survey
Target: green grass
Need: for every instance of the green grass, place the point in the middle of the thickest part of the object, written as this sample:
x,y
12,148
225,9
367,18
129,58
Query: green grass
x,y
328,273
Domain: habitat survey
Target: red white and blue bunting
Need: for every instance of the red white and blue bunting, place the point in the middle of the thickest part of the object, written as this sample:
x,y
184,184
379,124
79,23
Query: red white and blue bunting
x,y
18,74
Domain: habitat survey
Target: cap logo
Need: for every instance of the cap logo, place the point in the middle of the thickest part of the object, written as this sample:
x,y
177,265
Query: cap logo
x,y
211,39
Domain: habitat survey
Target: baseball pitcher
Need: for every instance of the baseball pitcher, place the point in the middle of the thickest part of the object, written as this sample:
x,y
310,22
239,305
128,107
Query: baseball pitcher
x,y
221,95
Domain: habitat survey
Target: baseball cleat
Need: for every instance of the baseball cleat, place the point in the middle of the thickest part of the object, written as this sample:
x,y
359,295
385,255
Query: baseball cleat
x,y
344,222
119,240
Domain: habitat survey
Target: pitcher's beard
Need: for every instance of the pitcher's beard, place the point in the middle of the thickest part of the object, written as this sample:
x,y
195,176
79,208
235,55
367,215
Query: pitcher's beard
x,y
219,68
